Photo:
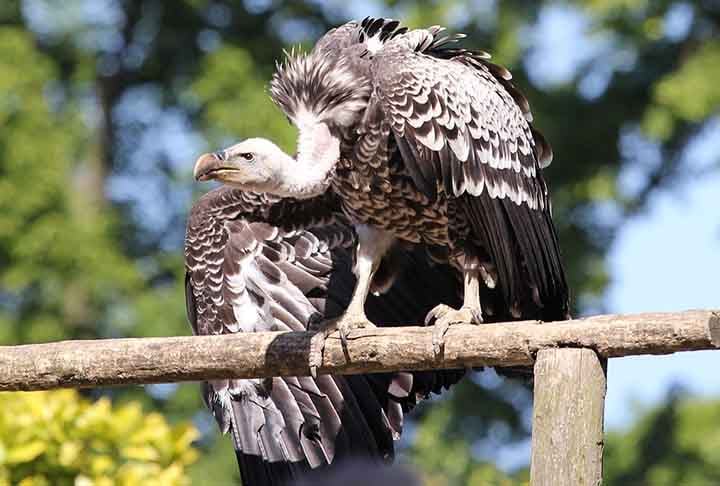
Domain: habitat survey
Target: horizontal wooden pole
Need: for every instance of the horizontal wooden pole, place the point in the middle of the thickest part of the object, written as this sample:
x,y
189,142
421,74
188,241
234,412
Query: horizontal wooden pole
x,y
253,355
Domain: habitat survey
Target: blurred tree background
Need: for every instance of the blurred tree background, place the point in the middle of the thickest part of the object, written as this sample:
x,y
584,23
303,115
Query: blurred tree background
x,y
104,105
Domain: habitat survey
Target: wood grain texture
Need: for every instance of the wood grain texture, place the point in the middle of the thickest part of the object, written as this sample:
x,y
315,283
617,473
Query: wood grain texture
x,y
249,355
567,431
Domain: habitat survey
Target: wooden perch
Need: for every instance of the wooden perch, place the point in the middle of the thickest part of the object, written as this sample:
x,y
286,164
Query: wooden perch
x,y
253,355
567,434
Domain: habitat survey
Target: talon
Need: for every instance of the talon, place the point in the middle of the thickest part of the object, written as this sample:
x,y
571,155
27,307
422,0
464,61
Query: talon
x,y
343,336
343,325
438,337
436,313
317,346
445,316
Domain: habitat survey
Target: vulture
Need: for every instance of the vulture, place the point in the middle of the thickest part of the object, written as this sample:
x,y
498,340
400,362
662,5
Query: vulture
x,y
416,193
424,143
255,262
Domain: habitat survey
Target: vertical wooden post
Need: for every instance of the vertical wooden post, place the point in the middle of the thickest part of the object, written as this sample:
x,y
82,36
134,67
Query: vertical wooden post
x,y
567,431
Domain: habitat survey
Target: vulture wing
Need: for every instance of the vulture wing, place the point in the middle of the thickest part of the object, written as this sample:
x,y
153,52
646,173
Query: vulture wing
x,y
455,121
259,264
461,126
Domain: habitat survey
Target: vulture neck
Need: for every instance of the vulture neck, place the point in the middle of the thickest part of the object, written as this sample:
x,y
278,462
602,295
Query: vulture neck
x,y
310,174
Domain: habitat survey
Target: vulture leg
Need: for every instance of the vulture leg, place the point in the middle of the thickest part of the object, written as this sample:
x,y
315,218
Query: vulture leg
x,y
372,245
469,313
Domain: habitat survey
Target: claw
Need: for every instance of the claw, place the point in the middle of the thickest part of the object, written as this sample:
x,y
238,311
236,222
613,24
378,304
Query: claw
x,y
445,316
317,346
436,313
438,337
343,325
343,331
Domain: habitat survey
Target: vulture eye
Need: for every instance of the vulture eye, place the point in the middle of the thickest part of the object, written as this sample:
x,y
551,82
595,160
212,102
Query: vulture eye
x,y
247,156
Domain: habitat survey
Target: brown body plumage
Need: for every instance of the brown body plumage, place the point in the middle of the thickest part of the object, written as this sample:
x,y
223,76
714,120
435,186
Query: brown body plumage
x,y
388,199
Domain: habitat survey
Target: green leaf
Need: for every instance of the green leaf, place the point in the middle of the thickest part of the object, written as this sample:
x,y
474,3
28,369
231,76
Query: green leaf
x,y
25,452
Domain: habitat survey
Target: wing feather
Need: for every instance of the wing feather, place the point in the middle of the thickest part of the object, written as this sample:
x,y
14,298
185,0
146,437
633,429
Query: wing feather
x,y
258,264
455,103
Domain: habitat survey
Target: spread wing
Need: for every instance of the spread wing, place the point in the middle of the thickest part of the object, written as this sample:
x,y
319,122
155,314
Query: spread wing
x,y
256,264
461,126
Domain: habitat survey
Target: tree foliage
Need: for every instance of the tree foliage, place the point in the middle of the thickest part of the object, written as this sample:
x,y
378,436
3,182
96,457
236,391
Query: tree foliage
x,y
60,438
60,269
676,443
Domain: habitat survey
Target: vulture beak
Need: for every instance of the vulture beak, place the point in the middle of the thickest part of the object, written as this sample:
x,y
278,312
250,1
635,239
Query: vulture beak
x,y
209,166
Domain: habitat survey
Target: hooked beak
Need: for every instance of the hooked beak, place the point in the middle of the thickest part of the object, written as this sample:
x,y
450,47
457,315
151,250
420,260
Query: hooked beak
x,y
209,166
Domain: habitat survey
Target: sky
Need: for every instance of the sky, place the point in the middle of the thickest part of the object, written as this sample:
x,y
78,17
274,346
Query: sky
x,y
667,259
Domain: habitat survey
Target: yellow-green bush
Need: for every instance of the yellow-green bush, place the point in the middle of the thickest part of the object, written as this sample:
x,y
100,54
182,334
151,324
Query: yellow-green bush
x,y
60,438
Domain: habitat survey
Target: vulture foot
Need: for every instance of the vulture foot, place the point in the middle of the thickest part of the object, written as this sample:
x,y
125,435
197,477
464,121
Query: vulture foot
x,y
343,324
444,317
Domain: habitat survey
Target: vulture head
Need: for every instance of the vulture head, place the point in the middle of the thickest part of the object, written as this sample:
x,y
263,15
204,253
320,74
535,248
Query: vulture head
x,y
258,165
255,164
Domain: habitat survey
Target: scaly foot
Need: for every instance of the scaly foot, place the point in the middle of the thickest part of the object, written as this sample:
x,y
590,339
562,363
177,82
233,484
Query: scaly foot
x,y
444,317
343,324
